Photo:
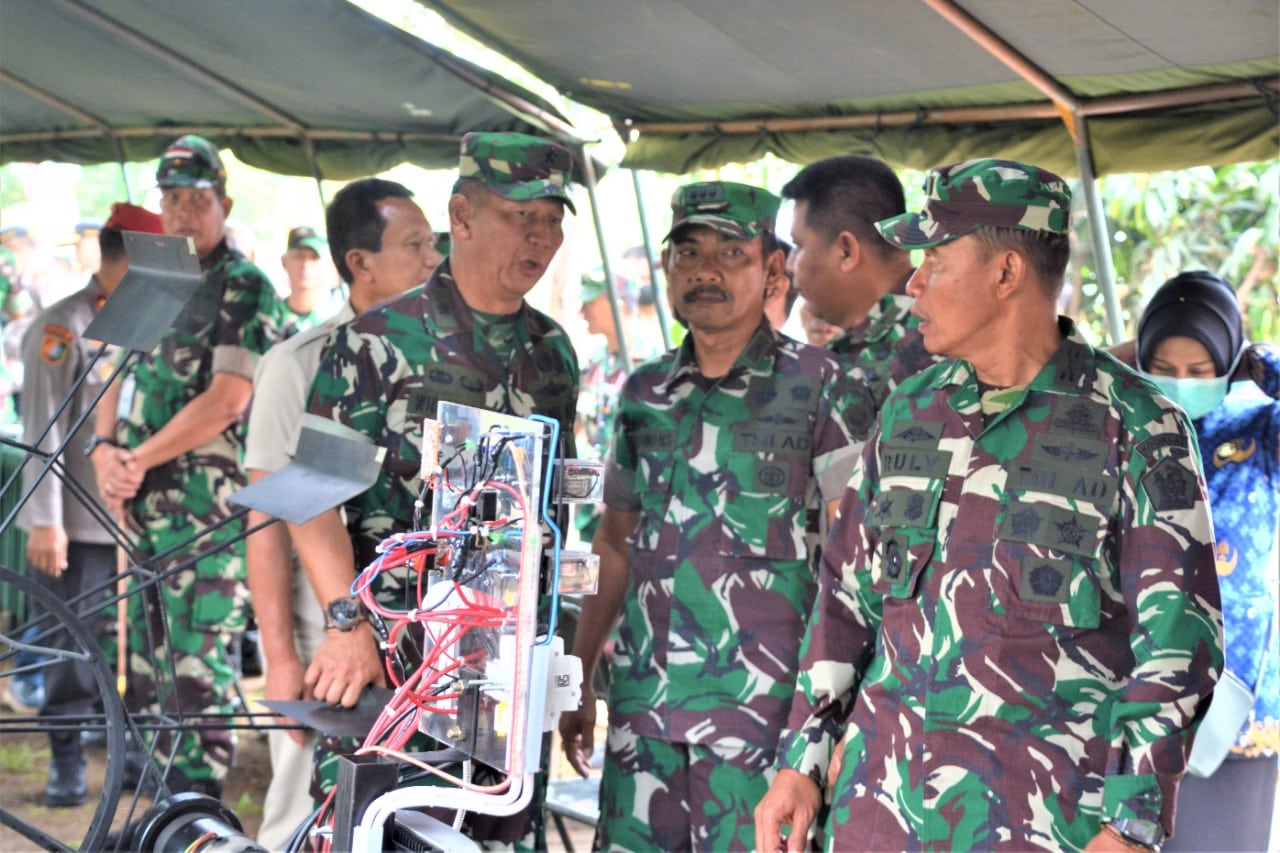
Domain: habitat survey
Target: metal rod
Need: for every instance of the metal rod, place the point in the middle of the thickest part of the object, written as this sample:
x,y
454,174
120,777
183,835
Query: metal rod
x,y
1005,52
963,115
1098,231
659,303
55,102
589,172
164,54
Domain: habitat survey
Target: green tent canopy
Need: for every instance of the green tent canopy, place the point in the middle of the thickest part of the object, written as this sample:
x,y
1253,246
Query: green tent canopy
x,y
1162,84
297,87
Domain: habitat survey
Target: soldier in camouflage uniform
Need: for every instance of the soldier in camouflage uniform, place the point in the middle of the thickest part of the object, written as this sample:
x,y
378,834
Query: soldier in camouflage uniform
x,y
850,276
1018,621
466,337
314,295
727,452
180,442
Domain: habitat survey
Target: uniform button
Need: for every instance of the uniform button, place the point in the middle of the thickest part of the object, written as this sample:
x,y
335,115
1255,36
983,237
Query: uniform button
x,y
893,560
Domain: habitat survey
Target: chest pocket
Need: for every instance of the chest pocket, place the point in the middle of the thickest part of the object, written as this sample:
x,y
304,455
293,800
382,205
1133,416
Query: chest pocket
x,y
768,471
655,462
200,312
765,497
1051,529
906,520
452,383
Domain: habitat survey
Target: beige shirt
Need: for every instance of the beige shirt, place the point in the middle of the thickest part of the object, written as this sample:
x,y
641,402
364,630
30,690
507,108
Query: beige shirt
x,y
280,387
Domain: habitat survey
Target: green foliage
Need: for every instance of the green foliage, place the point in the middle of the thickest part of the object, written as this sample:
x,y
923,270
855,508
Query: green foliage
x,y
22,757
1225,219
246,805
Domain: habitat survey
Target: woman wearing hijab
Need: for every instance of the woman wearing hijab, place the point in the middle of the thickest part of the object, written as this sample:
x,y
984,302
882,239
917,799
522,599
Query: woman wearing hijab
x,y
1191,345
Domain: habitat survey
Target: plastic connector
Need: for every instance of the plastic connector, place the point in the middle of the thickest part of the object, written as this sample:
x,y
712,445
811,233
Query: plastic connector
x,y
564,684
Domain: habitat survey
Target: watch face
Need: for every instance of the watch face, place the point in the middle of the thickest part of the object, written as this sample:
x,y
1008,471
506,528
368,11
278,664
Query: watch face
x,y
1146,832
344,612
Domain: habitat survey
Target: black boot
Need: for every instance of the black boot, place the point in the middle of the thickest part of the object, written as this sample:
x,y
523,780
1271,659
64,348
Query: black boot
x,y
66,786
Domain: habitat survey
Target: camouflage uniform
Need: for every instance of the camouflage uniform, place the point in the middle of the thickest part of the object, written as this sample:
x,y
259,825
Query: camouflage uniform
x,y
1018,620
887,348
228,323
730,478
290,322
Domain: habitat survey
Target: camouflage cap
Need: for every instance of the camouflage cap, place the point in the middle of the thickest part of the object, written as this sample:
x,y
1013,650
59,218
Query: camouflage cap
x,y
191,161
517,166
963,197
306,237
591,288
735,210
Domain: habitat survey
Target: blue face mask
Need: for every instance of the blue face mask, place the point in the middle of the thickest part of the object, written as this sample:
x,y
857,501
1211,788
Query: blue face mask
x,y
1196,397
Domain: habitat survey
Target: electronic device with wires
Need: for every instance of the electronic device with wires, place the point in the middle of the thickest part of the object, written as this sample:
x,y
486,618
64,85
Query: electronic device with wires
x,y
487,676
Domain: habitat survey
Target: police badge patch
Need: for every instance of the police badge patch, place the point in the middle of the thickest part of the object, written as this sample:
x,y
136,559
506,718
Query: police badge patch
x,y
56,344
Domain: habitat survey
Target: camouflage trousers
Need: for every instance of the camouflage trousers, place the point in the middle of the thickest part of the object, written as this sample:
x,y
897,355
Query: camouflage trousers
x,y
656,795
180,629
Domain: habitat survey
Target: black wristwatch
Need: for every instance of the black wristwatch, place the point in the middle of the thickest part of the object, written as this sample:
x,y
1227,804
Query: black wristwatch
x,y
1147,833
344,614
93,442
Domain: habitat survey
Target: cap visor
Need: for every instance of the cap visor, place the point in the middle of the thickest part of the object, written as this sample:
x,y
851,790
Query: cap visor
x,y
920,231
727,227
530,190
183,181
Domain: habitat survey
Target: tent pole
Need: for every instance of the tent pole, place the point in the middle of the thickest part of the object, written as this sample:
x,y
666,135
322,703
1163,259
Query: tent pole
x,y
658,303
124,175
1097,228
310,148
589,172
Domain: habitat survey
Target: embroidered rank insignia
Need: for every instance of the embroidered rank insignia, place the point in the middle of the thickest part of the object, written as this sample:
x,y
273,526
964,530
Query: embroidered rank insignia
x,y
56,344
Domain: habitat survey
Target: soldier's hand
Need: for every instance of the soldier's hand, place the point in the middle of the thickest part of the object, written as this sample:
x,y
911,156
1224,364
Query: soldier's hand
x,y
47,550
130,473
793,799
284,683
116,482
345,663
578,732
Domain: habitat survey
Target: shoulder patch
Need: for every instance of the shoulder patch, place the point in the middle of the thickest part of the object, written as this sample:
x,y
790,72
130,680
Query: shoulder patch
x,y
1170,485
56,343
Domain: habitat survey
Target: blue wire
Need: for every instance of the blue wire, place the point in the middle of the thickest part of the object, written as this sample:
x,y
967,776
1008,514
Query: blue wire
x,y
555,529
